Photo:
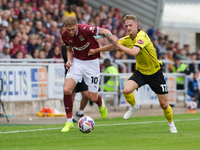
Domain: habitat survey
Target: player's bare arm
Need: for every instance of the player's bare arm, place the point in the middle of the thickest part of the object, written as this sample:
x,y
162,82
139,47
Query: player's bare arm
x,y
69,58
133,52
104,48
107,34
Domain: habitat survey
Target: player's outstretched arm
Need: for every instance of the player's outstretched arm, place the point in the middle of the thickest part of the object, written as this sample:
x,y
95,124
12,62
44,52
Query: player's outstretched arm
x,y
107,34
133,52
104,48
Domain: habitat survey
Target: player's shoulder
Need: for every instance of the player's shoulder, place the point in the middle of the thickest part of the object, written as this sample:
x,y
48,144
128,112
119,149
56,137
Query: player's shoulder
x,y
64,33
141,33
125,38
83,26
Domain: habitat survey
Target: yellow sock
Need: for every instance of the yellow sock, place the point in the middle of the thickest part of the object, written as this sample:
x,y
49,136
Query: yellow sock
x,y
168,113
130,98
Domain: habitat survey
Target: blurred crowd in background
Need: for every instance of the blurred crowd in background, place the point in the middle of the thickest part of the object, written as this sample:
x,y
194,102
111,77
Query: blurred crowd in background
x,y
32,29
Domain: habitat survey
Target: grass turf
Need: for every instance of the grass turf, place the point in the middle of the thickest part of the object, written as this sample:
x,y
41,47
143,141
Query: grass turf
x,y
142,133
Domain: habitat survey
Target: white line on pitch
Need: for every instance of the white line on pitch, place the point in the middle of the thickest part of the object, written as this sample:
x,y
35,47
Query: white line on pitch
x,y
118,124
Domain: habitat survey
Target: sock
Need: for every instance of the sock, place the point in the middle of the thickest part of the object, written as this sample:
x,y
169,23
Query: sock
x,y
99,101
69,119
168,113
80,112
171,123
68,102
130,98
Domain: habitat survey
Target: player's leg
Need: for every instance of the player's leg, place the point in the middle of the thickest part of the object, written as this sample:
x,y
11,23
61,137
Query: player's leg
x,y
167,112
91,75
68,102
83,103
83,88
96,98
135,81
158,85
72,77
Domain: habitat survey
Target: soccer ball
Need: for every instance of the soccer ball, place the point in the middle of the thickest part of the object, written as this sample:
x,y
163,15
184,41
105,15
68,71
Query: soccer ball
x,y
192,105
86,124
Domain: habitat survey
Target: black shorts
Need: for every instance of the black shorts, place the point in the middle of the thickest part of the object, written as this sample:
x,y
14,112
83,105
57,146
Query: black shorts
x,y
156,81
80,87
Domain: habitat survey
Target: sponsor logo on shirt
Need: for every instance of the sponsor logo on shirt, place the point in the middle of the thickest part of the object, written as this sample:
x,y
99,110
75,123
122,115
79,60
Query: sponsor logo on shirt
x,y
81,38
82,47
140,41
71,41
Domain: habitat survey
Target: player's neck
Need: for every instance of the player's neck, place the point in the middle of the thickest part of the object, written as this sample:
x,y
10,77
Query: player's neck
x,y
133,35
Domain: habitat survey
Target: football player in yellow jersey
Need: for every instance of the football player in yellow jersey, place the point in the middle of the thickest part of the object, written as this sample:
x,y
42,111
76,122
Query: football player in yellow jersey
x,y
148,70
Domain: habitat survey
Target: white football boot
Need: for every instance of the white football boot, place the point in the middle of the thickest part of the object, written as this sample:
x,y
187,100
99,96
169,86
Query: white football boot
x,y
172,128
129,113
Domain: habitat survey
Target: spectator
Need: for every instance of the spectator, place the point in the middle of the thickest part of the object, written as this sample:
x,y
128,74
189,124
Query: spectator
x,y
109,81
2,38
31,44
180,68
5,53
35,54
182,55
186,48
193,90
57,52
42,54
170,54
69,12
192,64
23,42
14,45
102,10
15,24
47,50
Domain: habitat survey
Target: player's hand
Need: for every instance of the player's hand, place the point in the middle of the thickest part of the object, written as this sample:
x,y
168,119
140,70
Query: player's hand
x,y
114,39
91,52
68,65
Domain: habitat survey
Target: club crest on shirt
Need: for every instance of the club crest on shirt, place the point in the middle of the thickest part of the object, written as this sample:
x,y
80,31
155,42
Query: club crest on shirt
x,y
140,41
81,38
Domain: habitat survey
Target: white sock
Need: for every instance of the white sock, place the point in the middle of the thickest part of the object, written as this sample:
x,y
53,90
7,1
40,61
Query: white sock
x,y
101,105
80,112
135,106
171,123
69,119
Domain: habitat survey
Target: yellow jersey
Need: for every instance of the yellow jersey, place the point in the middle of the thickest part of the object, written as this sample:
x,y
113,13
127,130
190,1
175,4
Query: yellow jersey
x,y
146,60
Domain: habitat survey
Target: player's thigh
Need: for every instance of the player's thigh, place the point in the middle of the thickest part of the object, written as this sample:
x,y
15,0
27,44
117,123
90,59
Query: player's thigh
x,y
69,86
75,71
92,76
157,83
135,81
130,86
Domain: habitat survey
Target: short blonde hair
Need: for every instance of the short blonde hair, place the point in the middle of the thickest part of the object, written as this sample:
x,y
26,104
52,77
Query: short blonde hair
x,y
70,21
130,17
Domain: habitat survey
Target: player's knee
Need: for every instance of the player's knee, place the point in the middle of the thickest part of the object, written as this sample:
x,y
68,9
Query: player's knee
x,y
126,91
164,105
67,91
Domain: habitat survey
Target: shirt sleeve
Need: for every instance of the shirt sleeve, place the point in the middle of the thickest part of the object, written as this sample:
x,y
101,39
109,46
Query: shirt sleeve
x,y
122,41
90,30
65,41
141,41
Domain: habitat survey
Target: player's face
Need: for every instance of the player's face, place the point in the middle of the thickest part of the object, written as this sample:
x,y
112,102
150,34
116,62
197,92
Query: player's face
x,y
71,30
131,27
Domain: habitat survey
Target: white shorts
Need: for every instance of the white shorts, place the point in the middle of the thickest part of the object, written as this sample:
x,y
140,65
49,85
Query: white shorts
x,y
87,69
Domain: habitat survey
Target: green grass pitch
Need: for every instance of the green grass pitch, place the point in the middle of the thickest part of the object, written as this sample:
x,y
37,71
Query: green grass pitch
x,y
136,133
